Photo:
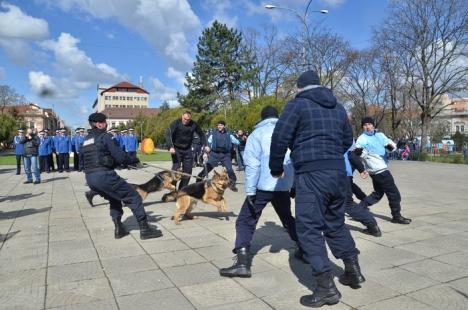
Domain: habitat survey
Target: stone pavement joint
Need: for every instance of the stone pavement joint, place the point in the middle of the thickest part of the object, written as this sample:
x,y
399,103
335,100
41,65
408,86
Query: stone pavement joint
x,y
56,252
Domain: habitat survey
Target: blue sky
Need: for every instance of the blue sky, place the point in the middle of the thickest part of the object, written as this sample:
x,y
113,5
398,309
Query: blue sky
x,y
68,46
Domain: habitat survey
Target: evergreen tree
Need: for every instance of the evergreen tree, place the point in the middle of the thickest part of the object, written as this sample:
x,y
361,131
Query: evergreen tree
x,y
220,67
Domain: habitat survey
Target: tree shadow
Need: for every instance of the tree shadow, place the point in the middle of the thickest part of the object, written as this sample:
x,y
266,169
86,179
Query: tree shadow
x,y
19,197
21,213
7,170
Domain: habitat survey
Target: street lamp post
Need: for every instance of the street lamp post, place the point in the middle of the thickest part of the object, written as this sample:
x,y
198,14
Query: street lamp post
x,y
302,18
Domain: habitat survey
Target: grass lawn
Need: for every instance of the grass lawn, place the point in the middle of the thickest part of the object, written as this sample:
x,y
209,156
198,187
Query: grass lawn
x,y
159,155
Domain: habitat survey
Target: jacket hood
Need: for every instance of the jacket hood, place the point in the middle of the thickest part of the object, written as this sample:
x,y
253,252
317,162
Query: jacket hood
x,y
320,95
266,122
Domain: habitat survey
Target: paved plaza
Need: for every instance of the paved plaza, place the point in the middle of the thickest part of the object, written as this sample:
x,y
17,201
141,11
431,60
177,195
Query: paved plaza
x,y
59,253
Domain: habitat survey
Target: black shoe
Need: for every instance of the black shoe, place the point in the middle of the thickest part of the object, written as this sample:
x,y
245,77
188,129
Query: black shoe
x,y
400,220
232,186
241,266
147,231
37,182
89,196
352,276
27,182
325,292
373,230
119,230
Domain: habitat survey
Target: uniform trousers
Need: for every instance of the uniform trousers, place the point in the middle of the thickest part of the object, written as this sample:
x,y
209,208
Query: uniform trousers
x,y
320,209
250,214
357,211
113,188
384,183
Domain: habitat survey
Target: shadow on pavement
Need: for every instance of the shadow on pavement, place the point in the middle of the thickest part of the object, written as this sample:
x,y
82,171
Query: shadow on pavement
x,y
7,170
21,213
8,236
19,197
215,215
54,179
382,217
132,224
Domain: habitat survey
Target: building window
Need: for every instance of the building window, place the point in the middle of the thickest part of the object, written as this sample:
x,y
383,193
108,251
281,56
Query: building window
x,y
457,128
129,98
115,97
113,124
462,128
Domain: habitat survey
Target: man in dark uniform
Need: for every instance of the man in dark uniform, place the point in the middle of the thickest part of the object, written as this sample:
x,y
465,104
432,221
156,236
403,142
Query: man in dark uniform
x,y
100,156
316,129
179,138
221,142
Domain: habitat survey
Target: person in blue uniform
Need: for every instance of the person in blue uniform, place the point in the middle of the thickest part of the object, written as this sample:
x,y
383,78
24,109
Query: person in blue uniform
x,y
131,144
64,148
45,149
101,155
79,138
19,149
73,149
315,127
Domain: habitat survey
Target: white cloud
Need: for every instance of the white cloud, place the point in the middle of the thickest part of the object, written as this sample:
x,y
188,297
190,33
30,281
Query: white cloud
x,y
42,84
176,75
220,10
17,29
110,36
73,63
165,24
161,91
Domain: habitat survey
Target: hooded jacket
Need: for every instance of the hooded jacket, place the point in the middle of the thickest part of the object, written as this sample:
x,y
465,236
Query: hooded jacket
x,y
316,129
256,157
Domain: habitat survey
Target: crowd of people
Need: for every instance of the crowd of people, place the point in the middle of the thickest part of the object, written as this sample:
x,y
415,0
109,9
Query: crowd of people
x,y
307,153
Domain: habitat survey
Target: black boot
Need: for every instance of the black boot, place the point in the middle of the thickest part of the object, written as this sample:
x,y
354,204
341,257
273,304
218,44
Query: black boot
x,y
398,219
240,268
352,275
373,230
120,230
89,196
147,231
325,292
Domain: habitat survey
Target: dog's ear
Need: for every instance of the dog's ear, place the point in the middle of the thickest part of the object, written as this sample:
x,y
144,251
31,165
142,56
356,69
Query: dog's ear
x,y
215,172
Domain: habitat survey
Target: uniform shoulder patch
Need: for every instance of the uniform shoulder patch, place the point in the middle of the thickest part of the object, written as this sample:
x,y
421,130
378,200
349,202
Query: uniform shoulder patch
x,y
88,142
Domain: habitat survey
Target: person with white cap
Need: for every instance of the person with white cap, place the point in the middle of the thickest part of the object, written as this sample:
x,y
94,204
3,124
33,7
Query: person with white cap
x,y
19,149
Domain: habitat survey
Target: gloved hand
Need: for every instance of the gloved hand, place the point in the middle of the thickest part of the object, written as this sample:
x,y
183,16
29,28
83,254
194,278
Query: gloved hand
x,y
277,174
390,147
292,193
358,151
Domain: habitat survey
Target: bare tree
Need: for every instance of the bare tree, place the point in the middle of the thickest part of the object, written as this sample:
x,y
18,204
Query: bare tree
x,y
9,97
431,39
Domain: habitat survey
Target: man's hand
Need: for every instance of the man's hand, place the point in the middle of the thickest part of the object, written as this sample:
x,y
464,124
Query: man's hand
x,y
172,150
207,149
364,174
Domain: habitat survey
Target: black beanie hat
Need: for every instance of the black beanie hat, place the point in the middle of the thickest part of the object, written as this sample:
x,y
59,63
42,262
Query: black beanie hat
x,y
367,120
308,78
269,112
222,122
97,117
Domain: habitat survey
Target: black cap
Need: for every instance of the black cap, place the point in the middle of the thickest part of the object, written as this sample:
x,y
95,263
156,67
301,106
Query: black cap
x,y
222,122
308,78
367,120
269,112
97,117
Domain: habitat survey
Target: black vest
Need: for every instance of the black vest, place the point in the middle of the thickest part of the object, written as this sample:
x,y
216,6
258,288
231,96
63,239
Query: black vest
x,y
95,155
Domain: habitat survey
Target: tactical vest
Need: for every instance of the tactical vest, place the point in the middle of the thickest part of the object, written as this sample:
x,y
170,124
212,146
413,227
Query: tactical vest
x,y
221,142
95,155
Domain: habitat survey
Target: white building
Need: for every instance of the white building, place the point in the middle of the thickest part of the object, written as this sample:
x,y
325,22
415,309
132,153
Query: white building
x,y
455,114
121,95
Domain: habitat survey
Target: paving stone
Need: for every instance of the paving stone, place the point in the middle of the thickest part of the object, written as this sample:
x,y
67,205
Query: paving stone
x,y
438,271
370,292
74,272
461,286
215,293
167,299
441,297
138,282
178,258
254,304
459,259
192,274
25,297
79,292
108,304
400,303
131,264
19,279
162,246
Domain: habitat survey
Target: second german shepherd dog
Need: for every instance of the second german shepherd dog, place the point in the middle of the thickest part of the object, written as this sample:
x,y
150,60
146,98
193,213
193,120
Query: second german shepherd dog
x,y
209,191
162,180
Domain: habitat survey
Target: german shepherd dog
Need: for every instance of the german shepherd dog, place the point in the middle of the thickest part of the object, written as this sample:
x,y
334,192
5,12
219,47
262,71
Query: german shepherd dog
x,y
209,191
162,180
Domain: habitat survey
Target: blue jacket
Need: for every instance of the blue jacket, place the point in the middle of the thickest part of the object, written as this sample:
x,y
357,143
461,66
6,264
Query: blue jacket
x,y
45,146
78,141
315,127
72,142
122,139
131,143
256,157
63,144
374,142
19,147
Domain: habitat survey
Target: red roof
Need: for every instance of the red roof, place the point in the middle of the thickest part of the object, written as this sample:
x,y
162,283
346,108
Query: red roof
x,y
129,113
126,85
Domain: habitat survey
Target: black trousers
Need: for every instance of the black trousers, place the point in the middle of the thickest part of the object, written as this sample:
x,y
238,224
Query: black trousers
x,y
51,161
358,211
250,214
357,191
320,209
184,158
44,163
384,183
76,165
113,188
18,163
63,162
213,161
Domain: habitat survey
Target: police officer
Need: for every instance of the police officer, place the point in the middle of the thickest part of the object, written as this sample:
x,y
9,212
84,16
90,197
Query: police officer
x,y
45,149
19,149
63,146
79,138
179,138
131,144
316,129
221,142
261,188
100,156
